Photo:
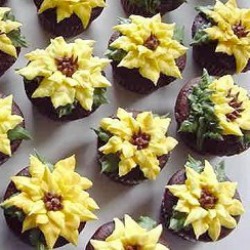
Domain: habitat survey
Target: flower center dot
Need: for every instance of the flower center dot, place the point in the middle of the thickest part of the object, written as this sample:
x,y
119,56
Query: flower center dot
x,y
67,65
132,248
207,199
235,104
152,42
141,140
239,30
53,202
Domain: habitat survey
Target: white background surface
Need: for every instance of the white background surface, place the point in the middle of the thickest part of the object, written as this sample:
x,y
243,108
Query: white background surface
x,y
59,140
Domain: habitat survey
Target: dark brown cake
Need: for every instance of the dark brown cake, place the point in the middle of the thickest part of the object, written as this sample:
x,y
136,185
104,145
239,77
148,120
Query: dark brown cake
x,y
2,2
135,175
204,54
16,225
168,203
15,143
230,145
68,27
132,80
105,231
165,5
45,106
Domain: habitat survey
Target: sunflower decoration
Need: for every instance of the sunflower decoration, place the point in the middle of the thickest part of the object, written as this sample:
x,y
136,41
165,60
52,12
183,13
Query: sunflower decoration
x,y
218,109
68,74
206,201
52,200
11,126
129,234
10,36
132,140
230,28
149,45
66,8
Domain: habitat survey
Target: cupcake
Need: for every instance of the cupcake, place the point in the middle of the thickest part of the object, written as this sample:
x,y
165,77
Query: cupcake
x,y
64,81
146,54
149,8
11,39
200,203
213,115
47,205
12,127
68,18
221,35
128,234
133,146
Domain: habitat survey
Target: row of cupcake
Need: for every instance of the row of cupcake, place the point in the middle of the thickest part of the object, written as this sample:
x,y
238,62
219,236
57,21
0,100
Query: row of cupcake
x,y
47,206
150,52
70,18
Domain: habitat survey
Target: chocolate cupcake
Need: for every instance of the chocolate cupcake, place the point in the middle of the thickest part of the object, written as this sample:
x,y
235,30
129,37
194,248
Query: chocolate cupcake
x,y
149,8
12,127
213,116
133,146
68,18
146,54
2,2
221,35
64,81
47,205
200,203
128,234
11,39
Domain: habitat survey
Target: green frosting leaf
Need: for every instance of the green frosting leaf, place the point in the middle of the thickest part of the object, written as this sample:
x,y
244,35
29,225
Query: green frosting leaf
x,y
109,163
150,6
15,36
177,221
202,121
147,223
115,54
196,165
44,161
179,33
99,97
102,135
65,110
36,239
18,133
219,170
14,212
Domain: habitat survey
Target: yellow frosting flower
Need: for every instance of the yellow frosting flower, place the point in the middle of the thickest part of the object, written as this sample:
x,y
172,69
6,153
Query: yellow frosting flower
x,y
150,47
54,202
66,8
232,31
6,26
7,123
70,72
139,141
208,203
129,236
231,106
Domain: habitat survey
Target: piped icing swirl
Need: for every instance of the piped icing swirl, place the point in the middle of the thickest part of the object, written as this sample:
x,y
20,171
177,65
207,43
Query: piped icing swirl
x,y
137,141
129,235
149,46
53,199
8,122
230,28
205,202
69,72
66,8
7,26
